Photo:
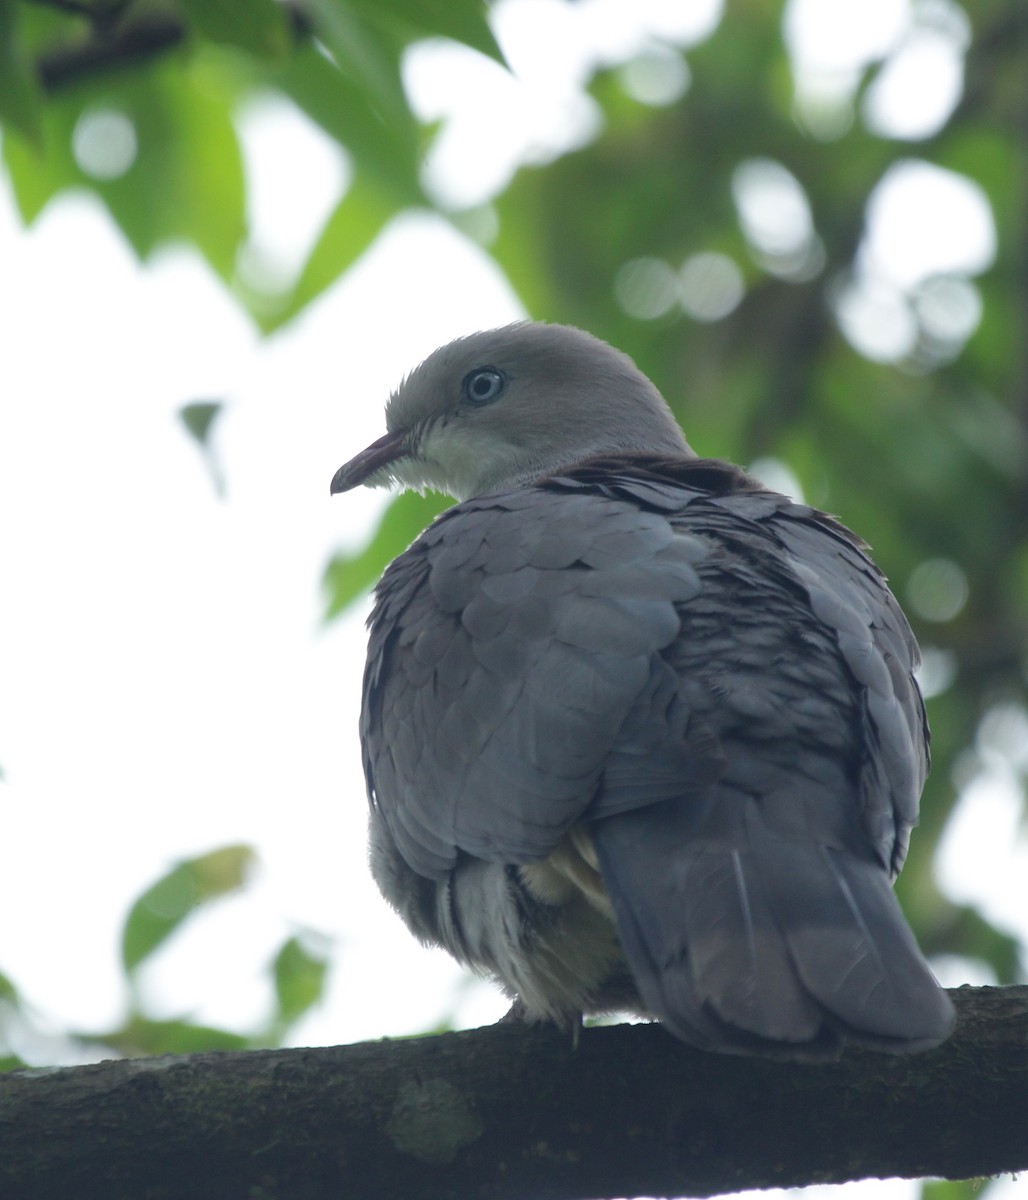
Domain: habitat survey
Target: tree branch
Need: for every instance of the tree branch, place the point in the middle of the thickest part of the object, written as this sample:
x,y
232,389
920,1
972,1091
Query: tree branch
x,y
510,1112
78,8
129,42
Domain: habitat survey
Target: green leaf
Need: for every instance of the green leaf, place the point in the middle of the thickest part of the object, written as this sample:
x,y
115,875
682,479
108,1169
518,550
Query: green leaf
x,y
953,1189
258,26
8,992
164,906
199,418
187,179
348,232
388,150
362,54
142,1036
20,94
299,973
462,20
38,173
349,576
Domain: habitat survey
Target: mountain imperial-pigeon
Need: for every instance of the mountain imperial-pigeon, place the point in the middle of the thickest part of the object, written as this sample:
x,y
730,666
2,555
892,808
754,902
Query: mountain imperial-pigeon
x,y
639,734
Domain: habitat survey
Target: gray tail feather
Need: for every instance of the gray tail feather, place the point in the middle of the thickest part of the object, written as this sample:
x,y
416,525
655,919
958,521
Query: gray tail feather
x,y
753,942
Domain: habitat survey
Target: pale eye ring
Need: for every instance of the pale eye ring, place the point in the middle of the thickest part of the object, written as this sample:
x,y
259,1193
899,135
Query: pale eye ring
x,y
482,386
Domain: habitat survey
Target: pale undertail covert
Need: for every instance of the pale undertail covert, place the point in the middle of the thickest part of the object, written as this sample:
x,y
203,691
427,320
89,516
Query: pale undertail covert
x,y
639,734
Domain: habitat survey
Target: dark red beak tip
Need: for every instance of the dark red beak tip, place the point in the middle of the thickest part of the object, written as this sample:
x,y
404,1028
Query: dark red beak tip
x,y
381,453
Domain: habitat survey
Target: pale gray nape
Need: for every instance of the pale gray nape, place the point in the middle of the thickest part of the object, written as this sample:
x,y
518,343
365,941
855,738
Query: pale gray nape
x,y
638,734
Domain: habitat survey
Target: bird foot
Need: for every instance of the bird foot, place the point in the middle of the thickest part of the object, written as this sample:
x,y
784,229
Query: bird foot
x,y
517,1014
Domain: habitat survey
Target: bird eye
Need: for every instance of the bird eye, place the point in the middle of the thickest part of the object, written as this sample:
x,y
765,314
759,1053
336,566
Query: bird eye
x,y
483,385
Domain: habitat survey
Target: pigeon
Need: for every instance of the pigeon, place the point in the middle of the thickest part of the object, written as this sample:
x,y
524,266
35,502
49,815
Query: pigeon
x,y
640,735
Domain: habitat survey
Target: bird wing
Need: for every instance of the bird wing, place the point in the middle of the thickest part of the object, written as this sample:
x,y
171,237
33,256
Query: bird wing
x,y
508,646
757,910
718,683
534,643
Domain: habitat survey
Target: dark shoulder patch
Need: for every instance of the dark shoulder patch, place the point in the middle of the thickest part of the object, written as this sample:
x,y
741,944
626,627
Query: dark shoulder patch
x,y
667,484
712,476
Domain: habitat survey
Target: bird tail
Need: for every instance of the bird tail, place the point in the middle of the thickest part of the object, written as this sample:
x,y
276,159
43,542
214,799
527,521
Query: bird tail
x,y
751,940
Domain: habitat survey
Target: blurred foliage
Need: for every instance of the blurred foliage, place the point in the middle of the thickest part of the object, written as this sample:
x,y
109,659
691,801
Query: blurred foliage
x,y
348,576
162,908
299,971
952,1189
10,1014
641,237
200,417
137,104
297,976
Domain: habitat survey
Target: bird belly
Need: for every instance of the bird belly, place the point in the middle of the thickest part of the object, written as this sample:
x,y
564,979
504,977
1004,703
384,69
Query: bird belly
x,y
543,931
571,868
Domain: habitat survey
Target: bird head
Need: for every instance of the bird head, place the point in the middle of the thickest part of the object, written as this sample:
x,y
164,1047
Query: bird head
x,y
503,407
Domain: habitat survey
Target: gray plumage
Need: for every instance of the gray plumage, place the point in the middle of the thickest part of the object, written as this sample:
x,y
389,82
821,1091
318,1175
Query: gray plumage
x,y
638,733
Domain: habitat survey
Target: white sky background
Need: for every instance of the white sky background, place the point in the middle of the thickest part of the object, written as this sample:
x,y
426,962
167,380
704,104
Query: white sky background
x,y
167,684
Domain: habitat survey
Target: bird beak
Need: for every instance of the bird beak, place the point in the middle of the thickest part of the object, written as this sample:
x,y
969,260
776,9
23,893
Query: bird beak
x,y
379,454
